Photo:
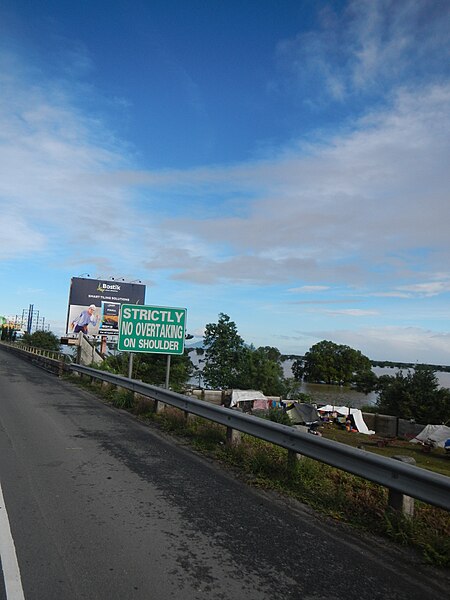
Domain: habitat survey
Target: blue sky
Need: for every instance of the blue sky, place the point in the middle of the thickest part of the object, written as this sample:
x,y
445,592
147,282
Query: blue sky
x,y
286,163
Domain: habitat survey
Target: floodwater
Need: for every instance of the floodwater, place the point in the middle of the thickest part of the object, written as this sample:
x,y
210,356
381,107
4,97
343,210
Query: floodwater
x,y
338,395
344,396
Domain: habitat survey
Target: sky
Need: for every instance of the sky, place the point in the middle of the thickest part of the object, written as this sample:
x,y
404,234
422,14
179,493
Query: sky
x,y
285,162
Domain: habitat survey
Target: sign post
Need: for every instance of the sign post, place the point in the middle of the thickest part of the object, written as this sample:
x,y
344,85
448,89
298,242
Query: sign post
x,y
130,366
153,329
167,372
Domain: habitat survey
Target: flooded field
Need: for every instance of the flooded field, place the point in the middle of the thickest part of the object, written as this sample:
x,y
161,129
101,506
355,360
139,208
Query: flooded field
x,y
344,396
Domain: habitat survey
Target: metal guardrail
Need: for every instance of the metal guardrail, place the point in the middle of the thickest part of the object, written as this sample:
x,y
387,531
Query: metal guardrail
x,y
407,479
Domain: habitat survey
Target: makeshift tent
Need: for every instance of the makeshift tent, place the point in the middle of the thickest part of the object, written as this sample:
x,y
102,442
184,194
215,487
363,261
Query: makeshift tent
x,y
241,397
344,411
302,414
438,434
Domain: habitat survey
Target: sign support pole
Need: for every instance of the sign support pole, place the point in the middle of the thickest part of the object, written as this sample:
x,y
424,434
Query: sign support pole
x,y
130,365
168,371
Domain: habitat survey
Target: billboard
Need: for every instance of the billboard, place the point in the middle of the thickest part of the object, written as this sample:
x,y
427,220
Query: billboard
x,y
94,304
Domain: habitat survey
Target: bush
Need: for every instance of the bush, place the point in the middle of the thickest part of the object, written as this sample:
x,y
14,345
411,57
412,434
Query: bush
x,y
42,339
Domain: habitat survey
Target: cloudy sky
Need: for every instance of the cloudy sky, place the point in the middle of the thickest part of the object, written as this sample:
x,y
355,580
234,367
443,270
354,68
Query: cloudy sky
x,y
286,163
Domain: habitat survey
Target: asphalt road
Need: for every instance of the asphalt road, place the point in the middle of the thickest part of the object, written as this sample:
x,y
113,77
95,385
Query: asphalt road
x,y
102,507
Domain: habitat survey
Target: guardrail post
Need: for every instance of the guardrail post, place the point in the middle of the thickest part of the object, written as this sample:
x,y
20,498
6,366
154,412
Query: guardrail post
x,y
159,407
400,502
292,460
233,437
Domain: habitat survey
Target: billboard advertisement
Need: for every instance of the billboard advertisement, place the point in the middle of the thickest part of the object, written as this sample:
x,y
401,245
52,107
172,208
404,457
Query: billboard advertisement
x,y
94,304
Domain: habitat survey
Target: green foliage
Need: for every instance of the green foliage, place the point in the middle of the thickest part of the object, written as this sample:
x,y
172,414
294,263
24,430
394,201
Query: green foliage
x,y
42,339
365,381
415,395
224,354
231,364
122,399
151,368
262,370
277,416
332,363
8,334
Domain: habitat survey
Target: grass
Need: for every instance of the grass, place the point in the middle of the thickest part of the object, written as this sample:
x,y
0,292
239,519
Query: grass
x,y
334,493
436,460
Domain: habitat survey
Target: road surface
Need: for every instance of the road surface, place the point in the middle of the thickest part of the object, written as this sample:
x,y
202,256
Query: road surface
x,y
103,507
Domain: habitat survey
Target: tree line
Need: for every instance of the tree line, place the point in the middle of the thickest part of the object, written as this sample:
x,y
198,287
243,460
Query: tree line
x,y
227,362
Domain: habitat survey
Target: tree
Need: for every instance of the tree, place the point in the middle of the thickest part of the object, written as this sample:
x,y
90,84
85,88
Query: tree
x,y
224,354
42,339
332,363
415,395
298,368
365,381
262,370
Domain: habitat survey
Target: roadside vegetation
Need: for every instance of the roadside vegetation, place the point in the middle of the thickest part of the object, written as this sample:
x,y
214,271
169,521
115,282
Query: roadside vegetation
x,y
46,340
333,493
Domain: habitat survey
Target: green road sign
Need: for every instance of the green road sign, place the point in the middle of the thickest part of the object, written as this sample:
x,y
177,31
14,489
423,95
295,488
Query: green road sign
x,y
157,329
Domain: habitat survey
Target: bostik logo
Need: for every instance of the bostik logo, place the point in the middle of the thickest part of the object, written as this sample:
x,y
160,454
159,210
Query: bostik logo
x,y
108,287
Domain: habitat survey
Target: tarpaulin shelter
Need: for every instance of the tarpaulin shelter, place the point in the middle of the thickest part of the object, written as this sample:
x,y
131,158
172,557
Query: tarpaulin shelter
x,y
302,414
438,434
345,411
242,398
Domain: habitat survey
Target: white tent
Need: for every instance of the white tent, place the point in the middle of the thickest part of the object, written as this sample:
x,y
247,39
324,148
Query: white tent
x,y
238,396
344,411
436,433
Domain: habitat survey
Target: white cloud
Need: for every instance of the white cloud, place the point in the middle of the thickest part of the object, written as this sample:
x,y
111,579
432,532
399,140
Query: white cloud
x,y
308,289
365,208
369,207
407,344
365,48
54,165
18,238
353,312
429,288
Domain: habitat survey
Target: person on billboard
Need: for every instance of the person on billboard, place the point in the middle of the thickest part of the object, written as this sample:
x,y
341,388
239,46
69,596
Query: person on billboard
x,y
87,317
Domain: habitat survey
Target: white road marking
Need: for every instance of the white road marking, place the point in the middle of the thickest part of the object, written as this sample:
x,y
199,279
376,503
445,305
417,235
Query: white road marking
x,y
10,566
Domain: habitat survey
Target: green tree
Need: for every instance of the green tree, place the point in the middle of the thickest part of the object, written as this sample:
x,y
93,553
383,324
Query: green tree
x,y
42,339
224,354
365,381
415,395
262,370
298,368
332,363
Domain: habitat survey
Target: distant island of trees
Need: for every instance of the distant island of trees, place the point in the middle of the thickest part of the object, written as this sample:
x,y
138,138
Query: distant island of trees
x,y
384,363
